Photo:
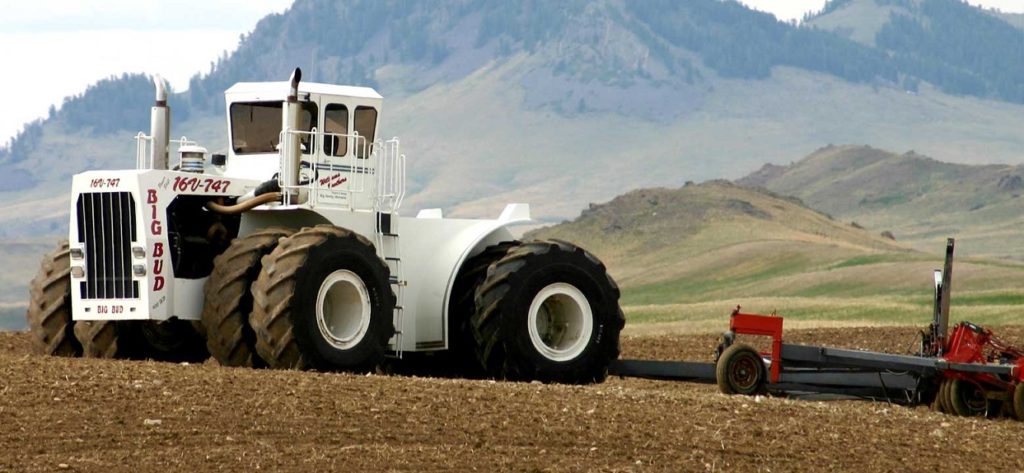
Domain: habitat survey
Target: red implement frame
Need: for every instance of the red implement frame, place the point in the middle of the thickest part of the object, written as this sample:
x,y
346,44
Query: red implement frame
x,y
971,343
765,325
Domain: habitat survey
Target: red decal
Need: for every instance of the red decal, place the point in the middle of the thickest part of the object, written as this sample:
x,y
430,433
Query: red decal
x,y
158,283
155,228
151,196
105,182
194,184
158,250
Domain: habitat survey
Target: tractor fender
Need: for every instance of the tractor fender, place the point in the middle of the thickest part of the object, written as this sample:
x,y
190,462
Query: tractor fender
x,y
433,251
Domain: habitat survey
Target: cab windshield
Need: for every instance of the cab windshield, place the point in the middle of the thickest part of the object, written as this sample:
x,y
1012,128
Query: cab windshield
x,y
256,126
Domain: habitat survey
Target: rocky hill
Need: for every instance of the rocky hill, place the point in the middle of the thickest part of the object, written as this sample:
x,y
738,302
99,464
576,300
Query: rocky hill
x,y
919,199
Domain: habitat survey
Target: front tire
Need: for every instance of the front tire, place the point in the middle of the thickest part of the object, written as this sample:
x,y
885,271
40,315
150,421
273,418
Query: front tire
x,y
547,311
323,300
106,338
49,308
228,298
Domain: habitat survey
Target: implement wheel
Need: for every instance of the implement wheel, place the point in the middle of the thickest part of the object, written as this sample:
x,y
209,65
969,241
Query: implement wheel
x,y
967,399
1018,402
740,370
943,397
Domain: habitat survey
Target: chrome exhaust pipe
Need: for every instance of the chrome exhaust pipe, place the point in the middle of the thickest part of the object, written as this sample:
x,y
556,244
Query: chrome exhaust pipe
x,y
159,127
292,152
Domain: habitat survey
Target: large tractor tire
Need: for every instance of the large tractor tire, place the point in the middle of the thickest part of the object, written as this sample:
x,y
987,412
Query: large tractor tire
x,y
228,298
49,308
547,311
740,370
323,300
462,305
107,339
173,340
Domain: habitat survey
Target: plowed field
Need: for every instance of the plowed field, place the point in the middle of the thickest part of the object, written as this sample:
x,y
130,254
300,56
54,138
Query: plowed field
x,y
100,415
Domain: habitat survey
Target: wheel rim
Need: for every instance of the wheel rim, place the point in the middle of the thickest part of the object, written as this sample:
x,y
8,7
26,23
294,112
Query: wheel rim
x,y
343,309
972,397
560,322
744,373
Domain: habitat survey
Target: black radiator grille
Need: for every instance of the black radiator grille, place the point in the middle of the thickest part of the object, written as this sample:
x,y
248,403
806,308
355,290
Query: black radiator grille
x,y
106,225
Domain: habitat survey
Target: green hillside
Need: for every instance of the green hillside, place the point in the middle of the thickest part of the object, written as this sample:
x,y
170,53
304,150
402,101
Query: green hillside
x,y
688,255
919,199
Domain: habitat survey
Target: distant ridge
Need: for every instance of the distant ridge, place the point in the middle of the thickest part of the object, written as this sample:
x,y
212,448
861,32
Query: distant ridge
x,y
919,199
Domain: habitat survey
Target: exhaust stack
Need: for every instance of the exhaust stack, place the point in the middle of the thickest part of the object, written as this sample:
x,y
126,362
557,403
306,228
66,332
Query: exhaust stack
x,y
159,127
292,153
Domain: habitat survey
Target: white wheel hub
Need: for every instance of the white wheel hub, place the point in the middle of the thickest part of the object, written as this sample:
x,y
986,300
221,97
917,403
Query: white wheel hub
x,y
343,309
560,322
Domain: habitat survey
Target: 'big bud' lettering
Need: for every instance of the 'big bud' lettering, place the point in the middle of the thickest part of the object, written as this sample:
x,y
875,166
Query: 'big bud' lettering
x,y
156,229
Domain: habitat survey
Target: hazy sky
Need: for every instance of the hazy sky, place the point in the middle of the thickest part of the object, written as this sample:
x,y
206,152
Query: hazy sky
x,y
56,48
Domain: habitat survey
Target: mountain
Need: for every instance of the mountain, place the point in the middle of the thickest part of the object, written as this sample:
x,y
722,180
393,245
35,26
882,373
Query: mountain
x,y
500,101
919,199
562,104
944,42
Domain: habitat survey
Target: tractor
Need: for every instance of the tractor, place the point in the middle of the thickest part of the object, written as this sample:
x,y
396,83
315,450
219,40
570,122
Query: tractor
x,y
288,251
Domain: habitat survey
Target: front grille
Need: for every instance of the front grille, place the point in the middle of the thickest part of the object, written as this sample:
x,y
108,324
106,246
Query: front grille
x,y
106,225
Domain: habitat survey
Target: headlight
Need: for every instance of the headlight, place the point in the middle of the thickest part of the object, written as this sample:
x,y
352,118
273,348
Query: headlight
x,y
139,269
77,272
77,253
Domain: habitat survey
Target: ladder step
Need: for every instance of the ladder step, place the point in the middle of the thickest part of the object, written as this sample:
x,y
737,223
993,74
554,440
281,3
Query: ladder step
x,y
398,307
394,280
390,234
392,258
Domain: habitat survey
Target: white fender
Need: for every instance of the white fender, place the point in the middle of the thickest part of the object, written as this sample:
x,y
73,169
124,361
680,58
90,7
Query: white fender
x,y
433,251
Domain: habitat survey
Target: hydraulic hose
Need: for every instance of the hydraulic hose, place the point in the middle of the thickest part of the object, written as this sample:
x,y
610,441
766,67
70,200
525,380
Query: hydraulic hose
x,y
244,206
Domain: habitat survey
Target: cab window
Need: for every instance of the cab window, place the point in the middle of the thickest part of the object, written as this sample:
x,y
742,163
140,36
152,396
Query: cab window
x,y
366,125
336,122
256,126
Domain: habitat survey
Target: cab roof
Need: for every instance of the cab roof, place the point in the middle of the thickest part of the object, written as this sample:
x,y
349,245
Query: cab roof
x,y
279,90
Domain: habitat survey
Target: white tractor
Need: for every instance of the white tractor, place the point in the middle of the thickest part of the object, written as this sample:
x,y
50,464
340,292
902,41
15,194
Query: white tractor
x,y
288,252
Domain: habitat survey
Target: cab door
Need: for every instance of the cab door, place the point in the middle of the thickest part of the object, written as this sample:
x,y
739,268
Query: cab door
x,y
345,173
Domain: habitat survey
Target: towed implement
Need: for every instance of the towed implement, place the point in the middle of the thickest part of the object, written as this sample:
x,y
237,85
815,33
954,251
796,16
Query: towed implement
x,y
288,251
968,371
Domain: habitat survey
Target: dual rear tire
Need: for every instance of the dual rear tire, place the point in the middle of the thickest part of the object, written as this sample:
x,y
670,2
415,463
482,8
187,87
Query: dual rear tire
x,y
547,311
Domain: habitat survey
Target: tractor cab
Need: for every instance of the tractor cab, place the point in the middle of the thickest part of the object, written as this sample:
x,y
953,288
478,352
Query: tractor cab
x,y
336,129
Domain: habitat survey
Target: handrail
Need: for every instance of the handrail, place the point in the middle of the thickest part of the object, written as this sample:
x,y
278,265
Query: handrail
x,y
142,143
382,158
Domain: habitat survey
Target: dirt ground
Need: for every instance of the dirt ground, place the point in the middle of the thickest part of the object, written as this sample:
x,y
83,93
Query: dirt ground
x,y
99,415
